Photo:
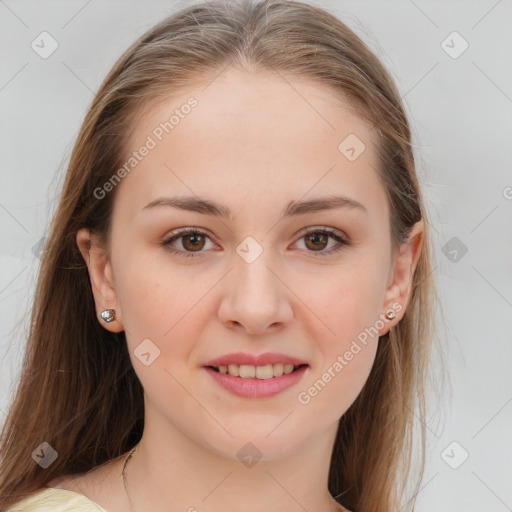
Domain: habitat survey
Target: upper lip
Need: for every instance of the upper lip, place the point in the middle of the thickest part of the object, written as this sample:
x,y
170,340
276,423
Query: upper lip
x,y
250,359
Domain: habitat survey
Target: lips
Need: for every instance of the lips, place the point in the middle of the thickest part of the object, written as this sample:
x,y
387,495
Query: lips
x,y
255,388
242,358
270,377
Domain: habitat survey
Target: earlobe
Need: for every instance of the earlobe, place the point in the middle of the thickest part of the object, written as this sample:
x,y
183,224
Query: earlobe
x,y
399,290
101,278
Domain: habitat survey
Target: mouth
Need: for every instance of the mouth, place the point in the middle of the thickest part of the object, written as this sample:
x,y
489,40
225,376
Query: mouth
x,y
257,382
266,372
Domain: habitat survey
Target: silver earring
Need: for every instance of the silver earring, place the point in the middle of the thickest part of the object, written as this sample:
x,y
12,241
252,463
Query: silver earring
x,y
108,315
390,315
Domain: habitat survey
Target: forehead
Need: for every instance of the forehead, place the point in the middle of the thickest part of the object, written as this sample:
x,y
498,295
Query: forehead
x,y
247,134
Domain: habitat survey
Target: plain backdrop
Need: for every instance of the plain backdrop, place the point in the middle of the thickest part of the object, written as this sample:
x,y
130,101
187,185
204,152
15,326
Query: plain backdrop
x,y
453,65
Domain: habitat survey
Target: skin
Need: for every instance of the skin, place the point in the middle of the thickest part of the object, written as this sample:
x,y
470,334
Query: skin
x,y
254,143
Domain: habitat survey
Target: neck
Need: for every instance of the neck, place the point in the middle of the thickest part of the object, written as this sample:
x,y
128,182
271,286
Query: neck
x,y
181,474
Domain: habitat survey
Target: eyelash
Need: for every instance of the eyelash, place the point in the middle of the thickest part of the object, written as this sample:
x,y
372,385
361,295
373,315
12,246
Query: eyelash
x,y
342,242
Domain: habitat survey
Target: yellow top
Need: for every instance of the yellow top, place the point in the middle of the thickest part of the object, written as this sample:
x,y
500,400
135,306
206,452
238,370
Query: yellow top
x,y
50,499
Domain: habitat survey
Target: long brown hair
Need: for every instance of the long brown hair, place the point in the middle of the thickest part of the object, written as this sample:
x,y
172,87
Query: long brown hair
x,y
78,391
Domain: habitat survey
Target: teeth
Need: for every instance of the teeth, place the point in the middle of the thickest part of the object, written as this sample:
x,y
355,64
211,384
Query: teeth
x,y
247,371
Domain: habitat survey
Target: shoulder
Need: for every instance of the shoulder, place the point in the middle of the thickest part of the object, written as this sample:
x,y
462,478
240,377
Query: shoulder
x,y
49,499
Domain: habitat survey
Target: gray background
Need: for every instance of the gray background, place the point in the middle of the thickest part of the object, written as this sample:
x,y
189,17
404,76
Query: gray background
x,y
460,109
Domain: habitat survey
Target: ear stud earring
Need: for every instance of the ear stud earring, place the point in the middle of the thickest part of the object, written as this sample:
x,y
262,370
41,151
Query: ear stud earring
x,y
390,315
108,315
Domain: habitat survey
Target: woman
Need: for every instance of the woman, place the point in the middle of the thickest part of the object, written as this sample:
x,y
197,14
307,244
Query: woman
x,y
235,304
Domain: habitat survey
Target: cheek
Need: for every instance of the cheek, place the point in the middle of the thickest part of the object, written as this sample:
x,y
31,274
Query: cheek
x,y
161,302
163,316
348,348
348,307
345,302
338,383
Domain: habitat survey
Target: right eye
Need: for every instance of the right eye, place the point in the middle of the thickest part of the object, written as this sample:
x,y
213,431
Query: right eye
x,y
193,241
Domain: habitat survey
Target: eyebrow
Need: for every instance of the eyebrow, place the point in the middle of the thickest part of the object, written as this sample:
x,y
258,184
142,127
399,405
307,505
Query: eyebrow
x,y
208,207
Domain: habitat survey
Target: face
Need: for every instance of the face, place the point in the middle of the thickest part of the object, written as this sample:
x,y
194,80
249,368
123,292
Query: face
x,y
259,273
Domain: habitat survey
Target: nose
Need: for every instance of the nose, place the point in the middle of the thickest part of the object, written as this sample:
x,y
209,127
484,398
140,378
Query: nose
x,y
256,299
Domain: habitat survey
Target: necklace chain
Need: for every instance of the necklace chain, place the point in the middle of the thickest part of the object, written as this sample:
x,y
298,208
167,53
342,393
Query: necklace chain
x,y
132,451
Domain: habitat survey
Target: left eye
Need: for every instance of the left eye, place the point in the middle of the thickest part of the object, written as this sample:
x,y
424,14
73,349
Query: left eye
x,y
318,239
194,240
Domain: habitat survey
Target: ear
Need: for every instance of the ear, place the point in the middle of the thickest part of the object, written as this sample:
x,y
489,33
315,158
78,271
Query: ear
x,y
399,288
102,281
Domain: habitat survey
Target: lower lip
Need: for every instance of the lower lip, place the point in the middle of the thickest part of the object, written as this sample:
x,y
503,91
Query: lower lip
x,y
257,388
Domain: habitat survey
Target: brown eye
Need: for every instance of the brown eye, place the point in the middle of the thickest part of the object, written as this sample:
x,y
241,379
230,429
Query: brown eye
x,y
193,242
316,241
187,242
320,241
